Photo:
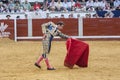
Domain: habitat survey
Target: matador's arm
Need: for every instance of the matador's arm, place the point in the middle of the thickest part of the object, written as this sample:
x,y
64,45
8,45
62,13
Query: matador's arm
x,y
64,36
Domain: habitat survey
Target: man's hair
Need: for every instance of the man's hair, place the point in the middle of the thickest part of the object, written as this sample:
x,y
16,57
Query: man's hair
x,y
8,16
60,23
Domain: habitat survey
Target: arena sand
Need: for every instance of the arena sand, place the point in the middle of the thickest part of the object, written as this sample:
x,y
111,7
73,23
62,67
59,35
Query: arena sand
x,y
17,61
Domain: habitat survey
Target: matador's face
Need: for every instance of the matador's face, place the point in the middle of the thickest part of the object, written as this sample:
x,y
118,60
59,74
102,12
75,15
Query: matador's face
x,y
60,27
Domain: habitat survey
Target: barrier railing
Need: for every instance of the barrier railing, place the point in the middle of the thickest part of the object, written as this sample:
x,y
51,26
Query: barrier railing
x,y
83,28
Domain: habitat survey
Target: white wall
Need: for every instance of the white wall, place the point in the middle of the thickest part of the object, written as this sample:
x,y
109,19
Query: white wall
x,y
33,0
43,15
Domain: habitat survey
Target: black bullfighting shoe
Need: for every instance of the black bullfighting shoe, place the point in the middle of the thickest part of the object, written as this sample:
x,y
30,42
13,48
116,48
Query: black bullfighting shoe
x,y
51,69
37,65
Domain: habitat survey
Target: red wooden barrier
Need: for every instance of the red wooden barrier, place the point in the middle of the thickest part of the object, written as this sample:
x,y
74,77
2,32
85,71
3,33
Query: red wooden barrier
x,y
9,30
22,28
101,26
70,28
91,27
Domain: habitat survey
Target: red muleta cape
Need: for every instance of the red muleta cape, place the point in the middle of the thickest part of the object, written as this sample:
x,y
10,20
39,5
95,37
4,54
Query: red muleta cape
x,y
77,53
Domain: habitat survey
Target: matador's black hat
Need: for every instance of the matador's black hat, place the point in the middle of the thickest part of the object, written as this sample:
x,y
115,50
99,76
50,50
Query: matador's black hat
x,y
60,23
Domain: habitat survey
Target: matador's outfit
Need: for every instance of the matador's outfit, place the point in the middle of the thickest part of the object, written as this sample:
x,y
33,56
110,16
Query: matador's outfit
x,y
50,30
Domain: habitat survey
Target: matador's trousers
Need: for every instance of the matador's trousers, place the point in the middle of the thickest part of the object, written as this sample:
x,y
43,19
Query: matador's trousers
x,y
47,44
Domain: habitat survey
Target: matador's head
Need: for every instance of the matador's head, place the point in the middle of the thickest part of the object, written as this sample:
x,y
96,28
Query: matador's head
x,y
60,25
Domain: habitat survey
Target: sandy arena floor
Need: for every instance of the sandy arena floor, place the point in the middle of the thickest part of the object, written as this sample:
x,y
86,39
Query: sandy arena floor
x,y
17,61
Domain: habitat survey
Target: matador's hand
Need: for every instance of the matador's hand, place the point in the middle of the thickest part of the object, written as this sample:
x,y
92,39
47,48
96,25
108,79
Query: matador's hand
x,y
44,36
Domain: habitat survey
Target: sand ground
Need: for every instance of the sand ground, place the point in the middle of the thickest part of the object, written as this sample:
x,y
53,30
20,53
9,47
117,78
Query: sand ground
x,y
17,61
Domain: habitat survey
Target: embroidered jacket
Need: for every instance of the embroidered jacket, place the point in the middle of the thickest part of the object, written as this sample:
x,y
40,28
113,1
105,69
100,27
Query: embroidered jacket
x,y
51,28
